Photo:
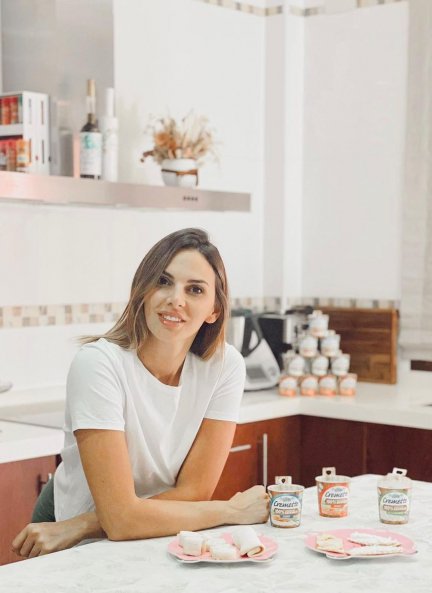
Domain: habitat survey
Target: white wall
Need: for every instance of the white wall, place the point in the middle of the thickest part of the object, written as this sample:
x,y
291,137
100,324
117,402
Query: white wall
x,y
274,142
354,132
311,115
170,54
191,55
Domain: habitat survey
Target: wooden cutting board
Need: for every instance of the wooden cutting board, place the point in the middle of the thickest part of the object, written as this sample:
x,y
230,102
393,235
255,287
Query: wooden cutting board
x,y
370,337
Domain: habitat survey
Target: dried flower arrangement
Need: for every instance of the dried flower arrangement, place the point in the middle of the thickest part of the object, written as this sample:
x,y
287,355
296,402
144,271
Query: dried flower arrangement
x,y
191,138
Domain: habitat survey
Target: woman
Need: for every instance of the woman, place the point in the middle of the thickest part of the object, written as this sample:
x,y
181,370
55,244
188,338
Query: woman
x,y
151,409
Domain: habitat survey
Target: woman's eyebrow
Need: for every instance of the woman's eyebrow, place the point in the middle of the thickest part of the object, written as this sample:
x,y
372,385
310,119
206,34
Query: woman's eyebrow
x,y
191,281
198,282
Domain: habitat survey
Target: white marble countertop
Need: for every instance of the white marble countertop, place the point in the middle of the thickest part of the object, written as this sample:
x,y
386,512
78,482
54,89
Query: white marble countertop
x,y
402,404
145,565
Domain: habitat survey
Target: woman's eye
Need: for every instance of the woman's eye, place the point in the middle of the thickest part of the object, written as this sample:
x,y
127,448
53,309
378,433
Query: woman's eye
x,y
196,289
163,281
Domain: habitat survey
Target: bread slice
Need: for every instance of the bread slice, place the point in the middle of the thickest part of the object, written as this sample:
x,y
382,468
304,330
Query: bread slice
x,y
370,539
375,550
329,543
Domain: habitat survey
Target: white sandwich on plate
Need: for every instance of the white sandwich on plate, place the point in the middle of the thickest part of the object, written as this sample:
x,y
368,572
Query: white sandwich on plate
x,y
375,550
370,539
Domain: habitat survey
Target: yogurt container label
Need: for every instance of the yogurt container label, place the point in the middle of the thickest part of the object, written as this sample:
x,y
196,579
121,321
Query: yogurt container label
x,y
394,497
394,504
285,510
286,502
334,501
333,493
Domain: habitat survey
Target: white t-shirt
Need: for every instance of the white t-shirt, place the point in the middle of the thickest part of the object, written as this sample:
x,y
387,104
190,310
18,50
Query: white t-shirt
x,y
109,388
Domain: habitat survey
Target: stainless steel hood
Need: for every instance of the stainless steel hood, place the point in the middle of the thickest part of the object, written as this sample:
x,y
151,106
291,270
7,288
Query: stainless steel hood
x,y
43,189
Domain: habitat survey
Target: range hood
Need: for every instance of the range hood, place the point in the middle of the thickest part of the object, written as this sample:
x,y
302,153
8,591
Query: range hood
x,y
70,191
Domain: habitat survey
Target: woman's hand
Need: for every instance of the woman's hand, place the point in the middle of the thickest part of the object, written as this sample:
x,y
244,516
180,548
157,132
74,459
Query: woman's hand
x,y
250,506
37,539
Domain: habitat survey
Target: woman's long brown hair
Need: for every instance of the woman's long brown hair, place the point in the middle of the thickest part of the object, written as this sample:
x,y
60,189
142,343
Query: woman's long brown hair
x,y
131,329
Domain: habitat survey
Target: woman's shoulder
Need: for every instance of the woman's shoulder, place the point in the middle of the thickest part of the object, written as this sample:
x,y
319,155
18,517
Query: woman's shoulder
x,y
232,356
100,352
227,357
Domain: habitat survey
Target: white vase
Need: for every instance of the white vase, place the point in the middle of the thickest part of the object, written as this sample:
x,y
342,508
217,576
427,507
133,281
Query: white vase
x,y
180,172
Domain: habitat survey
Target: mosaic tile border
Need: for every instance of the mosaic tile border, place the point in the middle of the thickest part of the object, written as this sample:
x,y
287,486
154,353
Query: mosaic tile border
x,y
246,7
85,313
252,9
70,314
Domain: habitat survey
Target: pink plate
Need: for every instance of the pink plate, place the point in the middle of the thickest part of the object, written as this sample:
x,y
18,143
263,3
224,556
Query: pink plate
x,y
407,545
270,545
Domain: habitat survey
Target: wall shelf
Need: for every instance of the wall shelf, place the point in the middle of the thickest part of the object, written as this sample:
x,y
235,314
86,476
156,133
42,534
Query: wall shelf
x,y
70,191
11,130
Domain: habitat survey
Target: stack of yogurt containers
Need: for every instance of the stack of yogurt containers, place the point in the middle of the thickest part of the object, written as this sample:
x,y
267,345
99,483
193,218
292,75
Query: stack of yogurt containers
x,y
317,366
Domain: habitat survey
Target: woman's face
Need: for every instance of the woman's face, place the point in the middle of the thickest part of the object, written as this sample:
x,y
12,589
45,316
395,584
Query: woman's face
x,y
183,300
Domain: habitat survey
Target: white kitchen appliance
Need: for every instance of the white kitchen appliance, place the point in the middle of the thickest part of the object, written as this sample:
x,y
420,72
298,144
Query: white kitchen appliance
x,y
244,332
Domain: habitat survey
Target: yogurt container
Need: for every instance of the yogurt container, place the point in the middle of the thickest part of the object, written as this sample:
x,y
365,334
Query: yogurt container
x,y
328,385
348,384
330,344
309,385
394,497
320,365
340,365
318,324
333,493
286,502
288,385
308,346
295,365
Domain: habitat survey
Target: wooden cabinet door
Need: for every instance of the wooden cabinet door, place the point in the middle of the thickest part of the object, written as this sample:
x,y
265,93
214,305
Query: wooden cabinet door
x,y
242,466
327,442
20,484
399,446
260,451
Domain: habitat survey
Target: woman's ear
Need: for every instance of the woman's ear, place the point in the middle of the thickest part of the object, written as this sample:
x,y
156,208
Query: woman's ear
x,y
213,317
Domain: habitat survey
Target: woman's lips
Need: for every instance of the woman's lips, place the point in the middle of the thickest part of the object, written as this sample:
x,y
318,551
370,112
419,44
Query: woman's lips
x,y
170,320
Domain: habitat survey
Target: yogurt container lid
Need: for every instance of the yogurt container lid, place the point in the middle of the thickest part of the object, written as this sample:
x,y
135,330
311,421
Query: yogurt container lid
x,y
395,479
329,475
284,484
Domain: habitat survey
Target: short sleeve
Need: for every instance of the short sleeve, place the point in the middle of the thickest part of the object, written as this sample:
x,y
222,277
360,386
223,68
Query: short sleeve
x,y
94,396
226,399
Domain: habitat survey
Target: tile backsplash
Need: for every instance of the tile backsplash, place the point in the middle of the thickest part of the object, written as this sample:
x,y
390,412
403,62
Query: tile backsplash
x,y
85,313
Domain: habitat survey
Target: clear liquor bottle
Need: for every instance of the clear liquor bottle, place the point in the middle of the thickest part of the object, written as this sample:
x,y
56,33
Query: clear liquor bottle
x,y
91,138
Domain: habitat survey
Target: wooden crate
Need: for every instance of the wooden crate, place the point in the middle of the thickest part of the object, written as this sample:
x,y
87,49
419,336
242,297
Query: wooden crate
x,y
370,337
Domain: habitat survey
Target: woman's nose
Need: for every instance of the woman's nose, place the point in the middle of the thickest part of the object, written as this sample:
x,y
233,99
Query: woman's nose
x,y
176,297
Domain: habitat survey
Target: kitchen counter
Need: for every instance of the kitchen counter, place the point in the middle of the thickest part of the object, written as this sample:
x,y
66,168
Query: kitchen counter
x,y
145,565
403,404
23,441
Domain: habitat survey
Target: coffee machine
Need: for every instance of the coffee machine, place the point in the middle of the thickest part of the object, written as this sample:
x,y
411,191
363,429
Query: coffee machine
x,y
244,332
282,330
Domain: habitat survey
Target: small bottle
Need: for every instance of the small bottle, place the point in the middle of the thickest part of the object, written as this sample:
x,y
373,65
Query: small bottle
x,y
3,155
20,109
109,128
63,161
22,155
5,111
13,106
91,138
11,155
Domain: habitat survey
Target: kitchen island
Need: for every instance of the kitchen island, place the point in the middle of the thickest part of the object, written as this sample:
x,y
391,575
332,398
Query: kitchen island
x,y
145,565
